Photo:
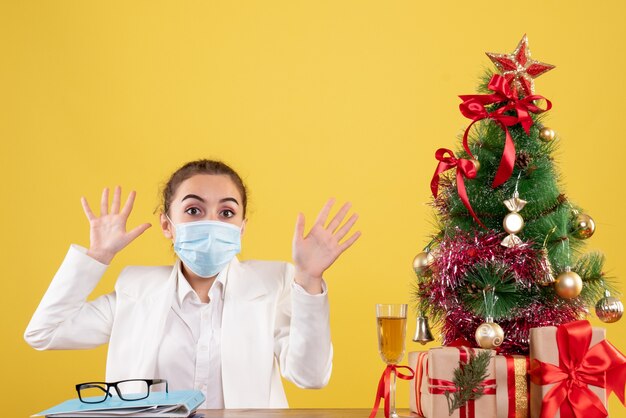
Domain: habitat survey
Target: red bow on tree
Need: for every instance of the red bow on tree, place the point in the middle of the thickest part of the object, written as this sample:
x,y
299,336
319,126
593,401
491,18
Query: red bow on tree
x,y
464,168
473,107
601,365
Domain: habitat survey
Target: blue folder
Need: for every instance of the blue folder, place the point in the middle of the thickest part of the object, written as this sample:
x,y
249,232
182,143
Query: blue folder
x,y
179,403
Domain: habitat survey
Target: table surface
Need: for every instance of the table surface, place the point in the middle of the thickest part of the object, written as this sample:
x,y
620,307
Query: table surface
x,y
293,413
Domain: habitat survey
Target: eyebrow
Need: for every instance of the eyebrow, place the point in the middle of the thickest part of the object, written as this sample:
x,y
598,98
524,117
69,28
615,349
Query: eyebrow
x,y
194,196
229,199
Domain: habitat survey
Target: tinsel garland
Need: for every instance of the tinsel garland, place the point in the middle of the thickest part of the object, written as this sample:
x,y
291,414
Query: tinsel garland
x,y
456,254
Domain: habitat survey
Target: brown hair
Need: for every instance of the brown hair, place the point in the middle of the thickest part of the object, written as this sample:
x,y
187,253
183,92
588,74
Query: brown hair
x,y
201,167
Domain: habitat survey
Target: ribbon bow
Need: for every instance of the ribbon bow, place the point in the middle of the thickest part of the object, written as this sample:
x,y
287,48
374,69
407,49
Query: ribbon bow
x,y
473,107
602,365
464,168
383,387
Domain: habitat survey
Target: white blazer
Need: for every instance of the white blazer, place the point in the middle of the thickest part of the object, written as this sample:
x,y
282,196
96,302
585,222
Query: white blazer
x,y
266,328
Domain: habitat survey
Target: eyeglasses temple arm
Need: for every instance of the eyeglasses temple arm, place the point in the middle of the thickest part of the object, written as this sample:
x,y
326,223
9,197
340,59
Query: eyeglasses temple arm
x,y
157,381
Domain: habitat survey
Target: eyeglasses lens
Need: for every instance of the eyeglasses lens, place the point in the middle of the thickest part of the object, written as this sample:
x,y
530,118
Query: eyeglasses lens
x,y
93,392
133,389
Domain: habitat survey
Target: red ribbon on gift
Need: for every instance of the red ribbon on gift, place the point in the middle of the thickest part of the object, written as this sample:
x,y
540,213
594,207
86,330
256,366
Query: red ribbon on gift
x,y
473,107
464,169
460,342
510,386
441,386
383,386
420,373
602,365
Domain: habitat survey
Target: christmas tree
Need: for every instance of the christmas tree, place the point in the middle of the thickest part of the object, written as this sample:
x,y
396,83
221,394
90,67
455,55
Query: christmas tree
x,y
508,254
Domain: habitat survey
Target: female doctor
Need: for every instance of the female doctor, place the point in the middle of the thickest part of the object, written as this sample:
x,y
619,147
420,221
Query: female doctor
x,y
210,322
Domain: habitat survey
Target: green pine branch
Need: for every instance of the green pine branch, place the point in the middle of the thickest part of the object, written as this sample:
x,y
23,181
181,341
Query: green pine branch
x,y
467,380
498,283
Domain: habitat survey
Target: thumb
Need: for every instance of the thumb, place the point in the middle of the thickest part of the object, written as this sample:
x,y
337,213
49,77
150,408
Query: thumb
x,y
299,232
135,232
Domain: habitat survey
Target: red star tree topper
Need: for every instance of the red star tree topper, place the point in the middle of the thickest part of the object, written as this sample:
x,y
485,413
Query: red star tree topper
x,y
519,69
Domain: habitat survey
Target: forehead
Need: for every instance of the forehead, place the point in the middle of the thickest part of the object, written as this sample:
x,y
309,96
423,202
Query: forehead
x,y
208,186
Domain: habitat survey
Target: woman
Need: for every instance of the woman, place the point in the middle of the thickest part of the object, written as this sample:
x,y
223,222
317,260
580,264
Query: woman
x,y
210,322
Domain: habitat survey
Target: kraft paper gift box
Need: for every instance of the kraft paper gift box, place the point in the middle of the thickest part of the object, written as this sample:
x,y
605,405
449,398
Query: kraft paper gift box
x,y
418,392
543,347
441,364
512,386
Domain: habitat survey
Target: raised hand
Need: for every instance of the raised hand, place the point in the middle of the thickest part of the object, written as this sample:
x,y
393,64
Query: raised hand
x,y
107,232
318,250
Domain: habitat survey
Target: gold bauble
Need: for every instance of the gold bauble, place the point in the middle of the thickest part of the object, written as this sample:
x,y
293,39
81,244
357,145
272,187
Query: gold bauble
x,y
476,165
609,309
489,335
568,284
513,223
583,226
422,262
547,134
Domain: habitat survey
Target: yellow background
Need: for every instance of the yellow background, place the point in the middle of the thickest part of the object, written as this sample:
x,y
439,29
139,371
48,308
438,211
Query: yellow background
x,y
306,100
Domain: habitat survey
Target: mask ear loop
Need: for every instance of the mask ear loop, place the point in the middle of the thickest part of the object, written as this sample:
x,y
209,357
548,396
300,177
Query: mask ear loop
x,y
173,226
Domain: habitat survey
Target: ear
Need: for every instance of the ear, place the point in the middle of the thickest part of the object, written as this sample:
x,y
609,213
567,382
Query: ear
x,y
243,226
166,227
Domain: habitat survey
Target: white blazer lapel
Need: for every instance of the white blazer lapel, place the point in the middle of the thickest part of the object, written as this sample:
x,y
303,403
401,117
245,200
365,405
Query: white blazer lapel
x,y
135,344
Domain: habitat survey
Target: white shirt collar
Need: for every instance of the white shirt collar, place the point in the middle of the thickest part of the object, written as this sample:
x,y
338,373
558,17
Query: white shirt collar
x,y
184,289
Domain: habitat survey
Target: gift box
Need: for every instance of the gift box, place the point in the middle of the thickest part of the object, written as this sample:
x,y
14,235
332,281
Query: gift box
x,y
441,364
418,392
563,353
512,386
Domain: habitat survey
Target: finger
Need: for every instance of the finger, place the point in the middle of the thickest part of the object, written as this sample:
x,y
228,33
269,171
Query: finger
x,y
299,231
343,231
348,243
87,209
323,215
115,204
104,202
128,206
135,232
338,219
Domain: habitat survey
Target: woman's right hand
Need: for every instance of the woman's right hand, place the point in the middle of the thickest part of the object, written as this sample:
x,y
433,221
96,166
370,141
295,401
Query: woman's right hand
x,y
107,232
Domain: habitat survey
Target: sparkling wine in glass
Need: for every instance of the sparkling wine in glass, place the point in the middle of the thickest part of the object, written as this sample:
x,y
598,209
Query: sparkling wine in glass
x,y
391,324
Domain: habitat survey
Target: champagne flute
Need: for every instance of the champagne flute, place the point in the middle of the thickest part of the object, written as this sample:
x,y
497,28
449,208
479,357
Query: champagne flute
x,y
391,320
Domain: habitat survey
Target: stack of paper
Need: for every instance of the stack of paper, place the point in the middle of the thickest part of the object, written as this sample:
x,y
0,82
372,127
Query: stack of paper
x,y
180,403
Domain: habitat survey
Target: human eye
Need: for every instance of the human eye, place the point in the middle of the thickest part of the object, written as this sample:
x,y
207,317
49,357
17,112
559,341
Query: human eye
x,y
193,211
227,213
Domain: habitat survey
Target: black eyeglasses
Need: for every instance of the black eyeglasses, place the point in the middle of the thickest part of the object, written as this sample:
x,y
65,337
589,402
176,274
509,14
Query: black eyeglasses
x,y
127,390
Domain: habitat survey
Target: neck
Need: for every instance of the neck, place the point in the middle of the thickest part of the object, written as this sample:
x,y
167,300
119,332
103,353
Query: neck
x,y
200,285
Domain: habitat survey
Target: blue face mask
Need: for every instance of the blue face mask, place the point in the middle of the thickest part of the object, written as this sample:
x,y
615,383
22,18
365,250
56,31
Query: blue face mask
x,y
206,247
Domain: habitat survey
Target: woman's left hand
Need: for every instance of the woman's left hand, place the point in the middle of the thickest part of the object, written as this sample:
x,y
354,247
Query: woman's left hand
x,y
318,250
